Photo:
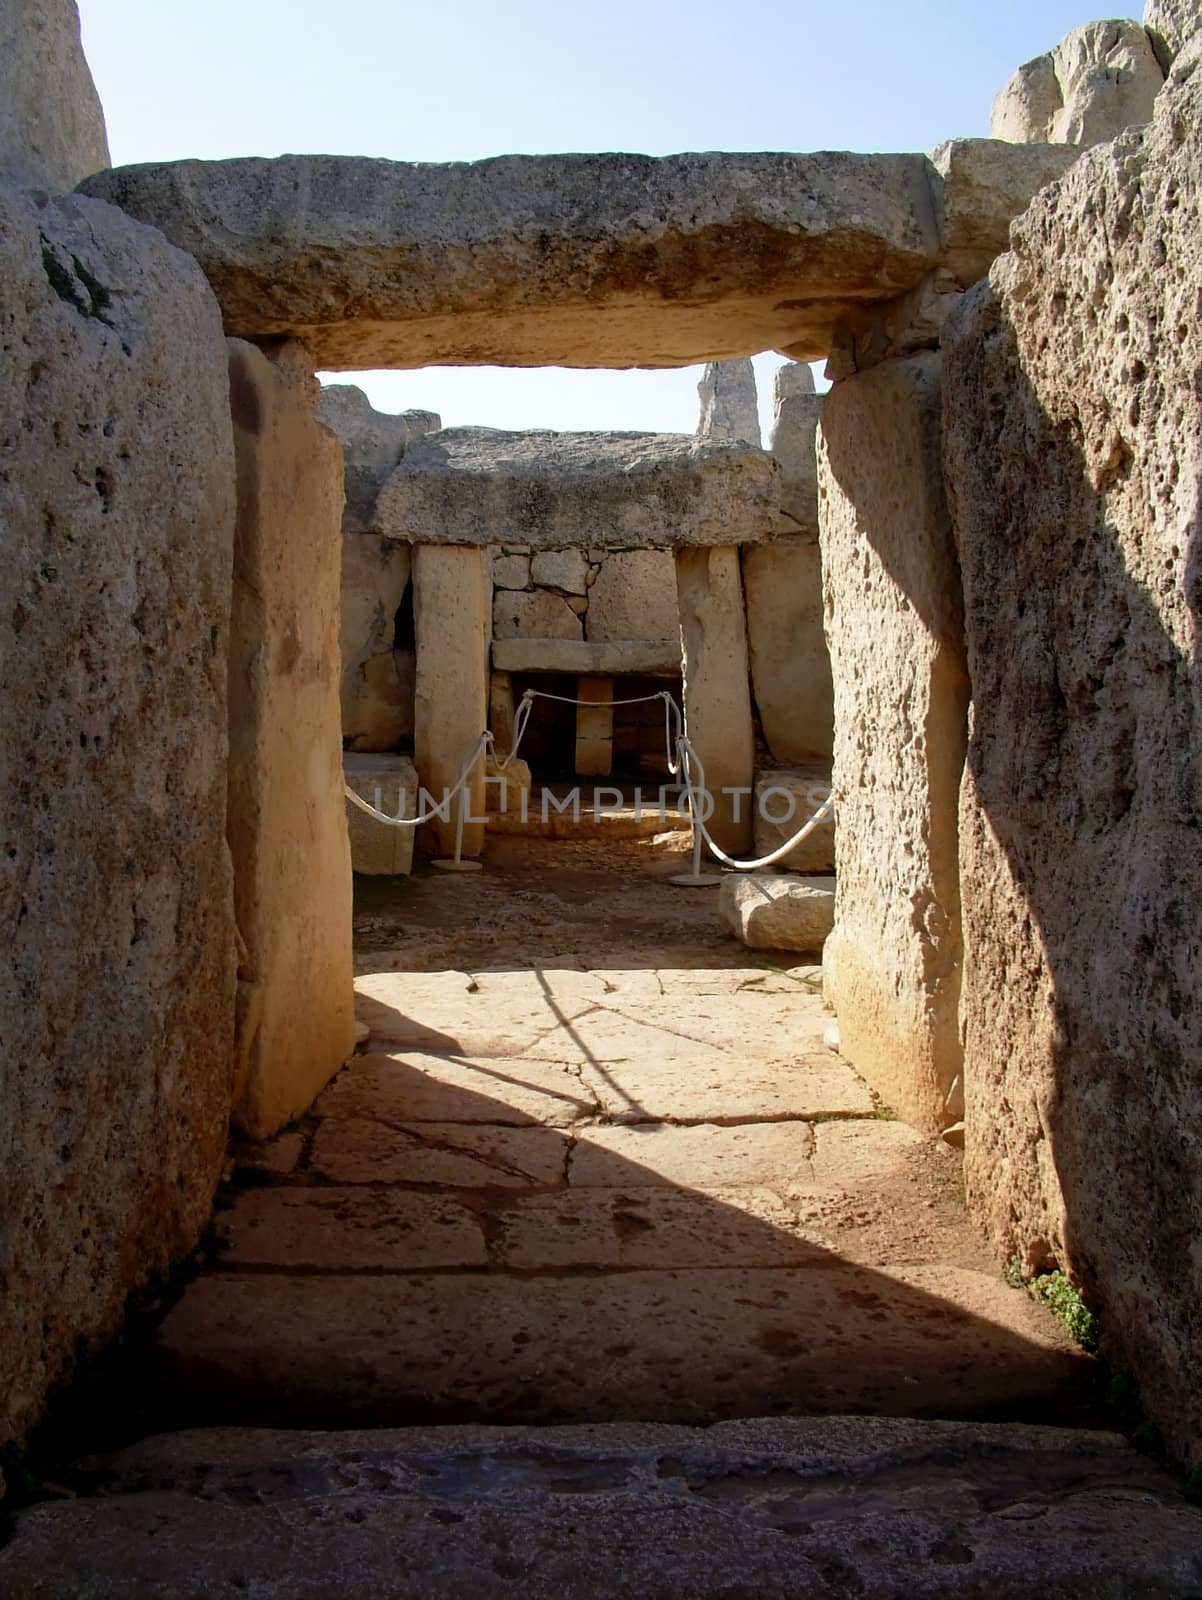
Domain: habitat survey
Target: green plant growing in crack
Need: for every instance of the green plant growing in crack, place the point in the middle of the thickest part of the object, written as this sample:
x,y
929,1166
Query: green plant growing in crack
x,y
1065,1303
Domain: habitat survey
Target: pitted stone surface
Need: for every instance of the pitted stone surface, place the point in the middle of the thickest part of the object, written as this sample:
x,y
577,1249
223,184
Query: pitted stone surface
x,y
1081,804
1100,79
577,260
51,122
372,444
729,404
828,1508
117,977
554,490
778,911
634,597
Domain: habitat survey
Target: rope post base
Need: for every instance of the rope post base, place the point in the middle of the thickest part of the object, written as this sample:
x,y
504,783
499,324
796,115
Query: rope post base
x,y
695,880
458,866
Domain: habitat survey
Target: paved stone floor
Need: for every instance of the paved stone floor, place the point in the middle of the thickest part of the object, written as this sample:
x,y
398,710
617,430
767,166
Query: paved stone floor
x,y
596,1178
596,1164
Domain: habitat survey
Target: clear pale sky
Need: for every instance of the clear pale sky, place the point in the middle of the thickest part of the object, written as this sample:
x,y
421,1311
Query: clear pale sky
x,y
473,78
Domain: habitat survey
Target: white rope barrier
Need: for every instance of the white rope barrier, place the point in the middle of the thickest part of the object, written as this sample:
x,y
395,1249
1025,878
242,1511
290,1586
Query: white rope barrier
x,y
688,757
682,758
442,810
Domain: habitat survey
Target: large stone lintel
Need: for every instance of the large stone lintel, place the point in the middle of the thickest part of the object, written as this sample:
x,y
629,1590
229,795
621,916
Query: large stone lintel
x,y
483,486
576,260
650,658
566,260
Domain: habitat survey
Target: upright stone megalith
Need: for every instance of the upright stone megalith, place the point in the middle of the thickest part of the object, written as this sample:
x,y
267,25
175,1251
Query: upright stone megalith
x,y
51,123
116,908
287,819
717,692
1073,450
452,610
729,403
895,629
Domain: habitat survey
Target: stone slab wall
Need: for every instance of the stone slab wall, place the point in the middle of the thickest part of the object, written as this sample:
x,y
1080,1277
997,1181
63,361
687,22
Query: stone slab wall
x,y
287,825
589,594
1074,454
894,627
116,913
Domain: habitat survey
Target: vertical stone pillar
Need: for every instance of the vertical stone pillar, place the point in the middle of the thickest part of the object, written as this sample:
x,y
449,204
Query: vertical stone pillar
x,y
287,821
452,612
717,692
502,712
894,619
595,728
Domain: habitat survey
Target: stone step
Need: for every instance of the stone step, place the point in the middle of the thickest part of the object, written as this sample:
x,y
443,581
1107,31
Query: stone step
x,y
689,1346
816,1509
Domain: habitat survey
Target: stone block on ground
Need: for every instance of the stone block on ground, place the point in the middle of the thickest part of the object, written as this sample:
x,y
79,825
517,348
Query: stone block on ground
x,y
388,782
785,798
784,912
117,979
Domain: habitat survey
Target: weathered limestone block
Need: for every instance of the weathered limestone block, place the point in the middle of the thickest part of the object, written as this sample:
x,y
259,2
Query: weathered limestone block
x,y
912,322
577,260
777,912
634,597
537,614
388,782
1172,24
1100,79
790,663
795,415
557,490
116,906
372,444
595,727
982,185
560,569
785,798
717,696
730,411
1074,456
452,613
510,571
501,710
287,826
651,657
894,626
377,686
51,122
